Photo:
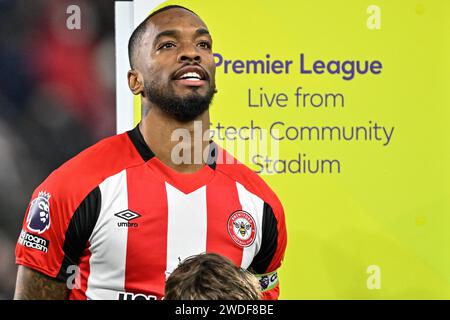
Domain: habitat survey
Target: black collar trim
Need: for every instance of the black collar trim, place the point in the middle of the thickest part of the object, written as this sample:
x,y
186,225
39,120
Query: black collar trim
x,y
146,153
140,144
213,154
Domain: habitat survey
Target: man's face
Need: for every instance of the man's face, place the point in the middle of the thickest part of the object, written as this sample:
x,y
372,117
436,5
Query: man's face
x,y
177,63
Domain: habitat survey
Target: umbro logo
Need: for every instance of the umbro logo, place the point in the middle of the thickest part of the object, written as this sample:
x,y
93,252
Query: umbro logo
x,y
127,215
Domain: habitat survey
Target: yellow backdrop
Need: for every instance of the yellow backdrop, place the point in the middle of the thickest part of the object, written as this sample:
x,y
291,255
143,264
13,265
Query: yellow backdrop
x,y
379,228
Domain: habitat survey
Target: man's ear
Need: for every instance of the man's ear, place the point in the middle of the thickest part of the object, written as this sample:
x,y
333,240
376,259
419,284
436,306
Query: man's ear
x,y
135,82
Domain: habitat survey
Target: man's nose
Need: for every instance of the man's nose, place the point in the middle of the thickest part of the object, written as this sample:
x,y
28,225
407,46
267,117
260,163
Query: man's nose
x,y
188,53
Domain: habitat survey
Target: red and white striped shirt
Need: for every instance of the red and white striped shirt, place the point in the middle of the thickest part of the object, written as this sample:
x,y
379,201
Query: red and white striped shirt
x,y
125,220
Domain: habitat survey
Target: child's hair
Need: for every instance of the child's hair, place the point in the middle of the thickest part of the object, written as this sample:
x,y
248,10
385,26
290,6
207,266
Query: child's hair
x,y
211,277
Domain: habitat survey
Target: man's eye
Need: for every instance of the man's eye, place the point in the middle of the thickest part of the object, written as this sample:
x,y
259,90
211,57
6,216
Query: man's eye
x,y
167,45
205,44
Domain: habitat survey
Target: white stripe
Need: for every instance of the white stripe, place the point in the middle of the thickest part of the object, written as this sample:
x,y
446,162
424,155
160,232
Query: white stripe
x,y
187,225
254,206
109,242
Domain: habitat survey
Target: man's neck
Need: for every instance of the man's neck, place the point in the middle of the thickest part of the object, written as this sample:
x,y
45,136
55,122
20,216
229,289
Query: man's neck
x,y
179,145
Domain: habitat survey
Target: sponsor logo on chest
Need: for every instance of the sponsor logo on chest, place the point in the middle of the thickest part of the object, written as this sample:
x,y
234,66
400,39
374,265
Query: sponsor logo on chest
x,y
127,217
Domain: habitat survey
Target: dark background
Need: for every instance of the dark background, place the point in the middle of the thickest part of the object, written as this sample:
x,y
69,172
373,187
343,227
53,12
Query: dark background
x,y
57,97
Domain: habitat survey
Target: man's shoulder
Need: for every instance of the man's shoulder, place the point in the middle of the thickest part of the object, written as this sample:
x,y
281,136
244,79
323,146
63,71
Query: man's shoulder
x,y
90,167
249,179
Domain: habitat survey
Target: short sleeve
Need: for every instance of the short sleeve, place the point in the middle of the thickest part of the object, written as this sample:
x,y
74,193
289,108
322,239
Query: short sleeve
x,y
56,228
271,253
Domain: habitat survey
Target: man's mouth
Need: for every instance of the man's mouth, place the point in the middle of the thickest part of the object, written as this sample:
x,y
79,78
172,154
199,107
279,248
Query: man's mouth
x,y
193,76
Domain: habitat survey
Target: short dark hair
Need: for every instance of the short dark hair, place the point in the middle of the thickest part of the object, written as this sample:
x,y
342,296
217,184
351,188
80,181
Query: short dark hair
x,y
137,34
211,277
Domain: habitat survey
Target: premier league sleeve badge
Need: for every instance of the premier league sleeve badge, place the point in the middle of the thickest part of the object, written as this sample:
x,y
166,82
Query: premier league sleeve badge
x,y
38,219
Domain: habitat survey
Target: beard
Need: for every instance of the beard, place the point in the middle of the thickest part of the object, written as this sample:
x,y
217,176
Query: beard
x,y
182,109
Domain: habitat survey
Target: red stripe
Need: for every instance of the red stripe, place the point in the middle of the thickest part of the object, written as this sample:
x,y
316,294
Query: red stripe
x,y
147,243
80,294
222,200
